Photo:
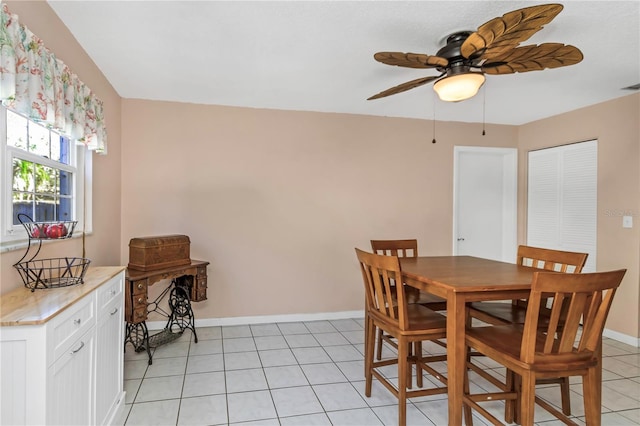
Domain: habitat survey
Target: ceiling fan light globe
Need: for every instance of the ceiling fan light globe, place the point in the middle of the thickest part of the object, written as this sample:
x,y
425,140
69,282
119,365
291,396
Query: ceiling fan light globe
x,y
459,87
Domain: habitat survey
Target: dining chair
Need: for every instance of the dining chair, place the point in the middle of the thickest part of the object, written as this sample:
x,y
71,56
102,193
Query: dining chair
x,y
387,308
405,248
530,351
498,313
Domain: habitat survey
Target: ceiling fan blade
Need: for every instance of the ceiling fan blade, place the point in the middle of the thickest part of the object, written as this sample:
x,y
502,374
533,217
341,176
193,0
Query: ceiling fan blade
x,y
533,58
410,60
405,86
504,33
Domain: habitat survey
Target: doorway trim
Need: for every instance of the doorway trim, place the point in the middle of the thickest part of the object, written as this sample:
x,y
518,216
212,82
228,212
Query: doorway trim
x,y
509,196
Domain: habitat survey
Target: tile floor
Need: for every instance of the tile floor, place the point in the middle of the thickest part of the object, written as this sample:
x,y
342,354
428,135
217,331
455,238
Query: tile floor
x,y
311,373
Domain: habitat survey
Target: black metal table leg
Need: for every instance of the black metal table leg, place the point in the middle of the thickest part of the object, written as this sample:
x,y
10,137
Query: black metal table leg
x,y
138,336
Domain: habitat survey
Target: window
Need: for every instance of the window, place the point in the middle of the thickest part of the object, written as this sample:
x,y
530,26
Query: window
x,y
43,176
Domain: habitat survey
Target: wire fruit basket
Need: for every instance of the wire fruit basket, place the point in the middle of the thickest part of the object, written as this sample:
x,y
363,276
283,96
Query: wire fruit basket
x,y
53,272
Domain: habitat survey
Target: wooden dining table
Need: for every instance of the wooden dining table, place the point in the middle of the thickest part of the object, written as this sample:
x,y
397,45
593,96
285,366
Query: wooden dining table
x,y
459,280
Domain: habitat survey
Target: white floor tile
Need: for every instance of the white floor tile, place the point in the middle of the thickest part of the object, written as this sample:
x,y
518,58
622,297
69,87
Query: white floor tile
x,y
159,388
320,419
234,331
209,333
318,374
310,355
296,401
203,410
241,360
241,344
167,367
158,413
320,327
356,417
205,363
287,328
339,396
131,388
206,347
285,376
301,340
389,415
331,339
343,353
249,406
265,330
270,342
273,358
136,369
176,348
245,380
203,384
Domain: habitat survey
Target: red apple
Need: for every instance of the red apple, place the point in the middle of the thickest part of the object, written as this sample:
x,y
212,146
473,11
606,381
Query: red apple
x,y
54,231
35,232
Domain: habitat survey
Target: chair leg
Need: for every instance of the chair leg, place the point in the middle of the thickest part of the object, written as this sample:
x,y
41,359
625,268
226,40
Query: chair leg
x,y
379,345
417,352
368,355
466,410
591,403
527,399
403,364
509,404
566,398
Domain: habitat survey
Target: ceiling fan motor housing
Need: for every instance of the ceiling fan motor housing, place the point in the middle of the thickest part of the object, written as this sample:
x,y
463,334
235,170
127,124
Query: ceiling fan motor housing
x,y
451,52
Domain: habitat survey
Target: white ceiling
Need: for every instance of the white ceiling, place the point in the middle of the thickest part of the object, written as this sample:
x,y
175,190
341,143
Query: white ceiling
x,y
318,56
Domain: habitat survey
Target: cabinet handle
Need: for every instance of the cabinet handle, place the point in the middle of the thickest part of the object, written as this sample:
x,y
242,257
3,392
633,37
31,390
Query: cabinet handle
x,y
139,286
77,321
114,311
78,350
113,292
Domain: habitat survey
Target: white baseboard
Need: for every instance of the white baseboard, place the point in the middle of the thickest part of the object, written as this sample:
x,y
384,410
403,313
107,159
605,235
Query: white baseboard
x,y
624,338
264,319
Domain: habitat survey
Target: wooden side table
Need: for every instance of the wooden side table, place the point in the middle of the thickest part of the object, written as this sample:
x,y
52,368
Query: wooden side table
x,y
192,279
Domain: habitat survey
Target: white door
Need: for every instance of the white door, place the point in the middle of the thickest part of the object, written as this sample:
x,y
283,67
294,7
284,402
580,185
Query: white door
x,y
485,203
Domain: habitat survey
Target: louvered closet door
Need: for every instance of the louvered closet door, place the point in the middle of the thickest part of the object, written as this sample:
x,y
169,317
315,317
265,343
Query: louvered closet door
x,y
562,199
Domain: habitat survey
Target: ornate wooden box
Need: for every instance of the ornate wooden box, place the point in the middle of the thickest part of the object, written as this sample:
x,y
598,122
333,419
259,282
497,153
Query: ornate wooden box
x,y
153,253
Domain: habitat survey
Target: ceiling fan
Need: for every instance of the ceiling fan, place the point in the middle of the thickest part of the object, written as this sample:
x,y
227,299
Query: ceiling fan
x,y
492,49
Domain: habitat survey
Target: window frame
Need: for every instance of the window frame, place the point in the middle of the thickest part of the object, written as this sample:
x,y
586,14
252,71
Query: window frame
x,y
15,236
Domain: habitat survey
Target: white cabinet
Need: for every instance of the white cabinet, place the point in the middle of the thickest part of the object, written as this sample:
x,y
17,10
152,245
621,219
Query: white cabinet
x,y
61,354
109,335
71,377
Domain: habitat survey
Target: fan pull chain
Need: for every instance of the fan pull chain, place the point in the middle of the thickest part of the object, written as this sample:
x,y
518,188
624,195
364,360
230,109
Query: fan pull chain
x,y
434,120
484,108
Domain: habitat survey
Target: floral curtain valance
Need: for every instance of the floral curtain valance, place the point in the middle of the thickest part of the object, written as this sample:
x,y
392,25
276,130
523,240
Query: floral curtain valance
x,y
35,83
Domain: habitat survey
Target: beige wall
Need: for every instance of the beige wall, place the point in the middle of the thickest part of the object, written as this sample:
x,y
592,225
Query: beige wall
x,y
277,200
103,246
616,126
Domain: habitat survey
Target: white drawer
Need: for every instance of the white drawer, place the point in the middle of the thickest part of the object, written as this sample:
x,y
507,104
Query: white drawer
x,y
108,292
70,324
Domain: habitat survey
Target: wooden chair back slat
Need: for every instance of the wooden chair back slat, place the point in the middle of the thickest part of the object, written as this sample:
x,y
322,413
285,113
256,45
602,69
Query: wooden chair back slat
x,y
383,298
400,248
551,260
589,299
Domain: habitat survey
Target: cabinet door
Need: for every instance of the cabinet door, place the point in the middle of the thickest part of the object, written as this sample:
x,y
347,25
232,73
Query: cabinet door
x,y
71,384
109,359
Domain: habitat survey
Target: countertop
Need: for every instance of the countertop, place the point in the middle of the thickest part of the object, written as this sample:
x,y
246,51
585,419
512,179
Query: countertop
x,y
25,307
